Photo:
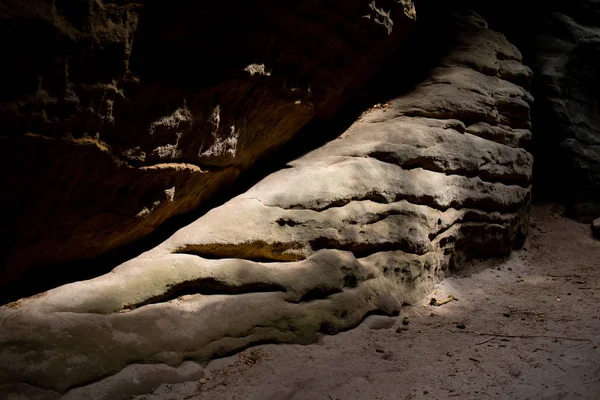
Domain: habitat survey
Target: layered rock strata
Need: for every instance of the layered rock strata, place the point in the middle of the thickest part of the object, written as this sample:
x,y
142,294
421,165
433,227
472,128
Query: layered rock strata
x,y
362,225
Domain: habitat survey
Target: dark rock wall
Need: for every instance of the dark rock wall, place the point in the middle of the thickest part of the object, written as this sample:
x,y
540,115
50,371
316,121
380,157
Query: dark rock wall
x,y
561,43
117,116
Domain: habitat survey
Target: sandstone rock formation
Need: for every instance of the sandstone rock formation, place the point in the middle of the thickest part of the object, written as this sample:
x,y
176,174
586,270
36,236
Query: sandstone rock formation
x,y
362,225
120,115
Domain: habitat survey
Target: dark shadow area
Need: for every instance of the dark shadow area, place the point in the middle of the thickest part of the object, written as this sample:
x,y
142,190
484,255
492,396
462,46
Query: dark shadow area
x,y
208,286
565,82
431,39
521,28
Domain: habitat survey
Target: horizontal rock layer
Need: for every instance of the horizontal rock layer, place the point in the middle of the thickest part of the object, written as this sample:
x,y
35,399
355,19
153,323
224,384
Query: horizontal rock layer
x,y
364,224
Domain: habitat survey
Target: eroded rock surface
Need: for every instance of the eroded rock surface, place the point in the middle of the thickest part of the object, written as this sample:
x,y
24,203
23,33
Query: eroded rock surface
x,y
362,225
120,115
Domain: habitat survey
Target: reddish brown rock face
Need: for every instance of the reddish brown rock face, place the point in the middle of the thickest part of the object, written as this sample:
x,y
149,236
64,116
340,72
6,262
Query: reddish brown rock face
x,y
119,116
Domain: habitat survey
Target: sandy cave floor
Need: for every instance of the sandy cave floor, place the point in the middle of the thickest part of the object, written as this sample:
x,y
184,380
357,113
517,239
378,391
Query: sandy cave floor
x,y
466,349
